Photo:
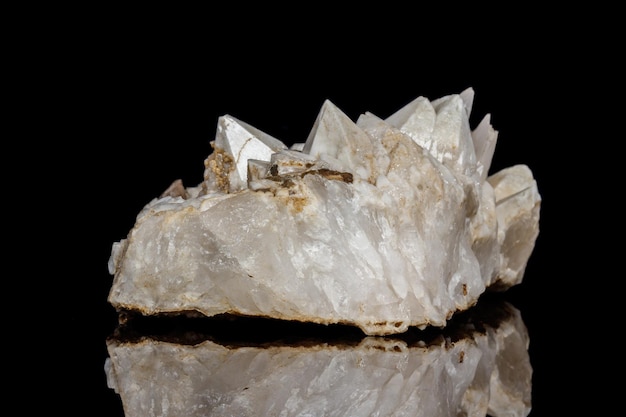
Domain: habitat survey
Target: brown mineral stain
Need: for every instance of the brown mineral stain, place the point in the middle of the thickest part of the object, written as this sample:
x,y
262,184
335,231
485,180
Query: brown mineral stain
x,y
295,198
220,164
298,203
331,175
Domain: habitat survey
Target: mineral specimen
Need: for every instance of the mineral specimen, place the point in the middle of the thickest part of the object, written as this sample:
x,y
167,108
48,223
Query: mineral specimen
x,y
470,369
378,223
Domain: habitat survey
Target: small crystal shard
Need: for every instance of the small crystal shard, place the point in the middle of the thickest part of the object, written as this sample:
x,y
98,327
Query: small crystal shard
x,y
378,223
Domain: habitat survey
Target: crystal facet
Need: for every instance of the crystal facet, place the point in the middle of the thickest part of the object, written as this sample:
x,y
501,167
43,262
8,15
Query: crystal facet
x,y
378,223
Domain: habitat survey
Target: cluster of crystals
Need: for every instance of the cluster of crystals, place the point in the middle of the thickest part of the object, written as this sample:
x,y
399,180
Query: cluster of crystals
x,y
245,156
381,223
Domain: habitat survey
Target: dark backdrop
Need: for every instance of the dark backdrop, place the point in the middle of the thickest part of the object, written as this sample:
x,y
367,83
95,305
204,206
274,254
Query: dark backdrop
x,y
141,98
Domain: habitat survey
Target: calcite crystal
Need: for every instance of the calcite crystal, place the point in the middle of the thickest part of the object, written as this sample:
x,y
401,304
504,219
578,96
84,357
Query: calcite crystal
x,y
378,223
471,368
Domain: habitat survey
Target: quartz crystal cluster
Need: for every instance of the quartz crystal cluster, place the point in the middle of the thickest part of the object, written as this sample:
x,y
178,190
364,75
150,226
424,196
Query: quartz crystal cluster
x,y
477,369
378,223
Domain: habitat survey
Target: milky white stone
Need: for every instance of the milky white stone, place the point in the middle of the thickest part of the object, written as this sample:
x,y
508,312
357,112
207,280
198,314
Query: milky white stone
x,y
379,223
482,373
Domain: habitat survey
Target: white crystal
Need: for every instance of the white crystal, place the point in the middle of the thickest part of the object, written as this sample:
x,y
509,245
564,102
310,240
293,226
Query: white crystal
x,y
482,373
337,140
380,223
240,142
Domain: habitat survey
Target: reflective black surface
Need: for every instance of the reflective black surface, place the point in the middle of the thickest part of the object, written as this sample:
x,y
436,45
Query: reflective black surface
x,y
228,365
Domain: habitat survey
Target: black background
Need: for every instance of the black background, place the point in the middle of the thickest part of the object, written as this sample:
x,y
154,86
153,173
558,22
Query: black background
x,y
129,102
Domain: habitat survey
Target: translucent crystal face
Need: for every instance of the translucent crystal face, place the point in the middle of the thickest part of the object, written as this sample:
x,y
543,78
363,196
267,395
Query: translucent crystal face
x,y
440,127
379,223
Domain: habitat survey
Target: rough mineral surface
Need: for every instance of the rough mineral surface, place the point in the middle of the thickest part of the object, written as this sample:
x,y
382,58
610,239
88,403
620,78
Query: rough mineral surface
x,y
484,372
379,223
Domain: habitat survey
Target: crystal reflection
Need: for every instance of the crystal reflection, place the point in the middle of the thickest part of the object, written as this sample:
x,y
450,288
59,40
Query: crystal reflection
x,y
174,366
